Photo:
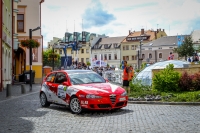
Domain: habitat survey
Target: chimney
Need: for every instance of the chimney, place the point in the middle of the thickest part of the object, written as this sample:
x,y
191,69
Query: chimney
x,y
163,30
142,31
157,30
129,32
155,34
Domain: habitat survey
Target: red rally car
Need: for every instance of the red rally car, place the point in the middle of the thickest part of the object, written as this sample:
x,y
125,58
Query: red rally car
x,y
81,89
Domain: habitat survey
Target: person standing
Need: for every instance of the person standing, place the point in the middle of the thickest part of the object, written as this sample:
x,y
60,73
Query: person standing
x,y
171,56
126,77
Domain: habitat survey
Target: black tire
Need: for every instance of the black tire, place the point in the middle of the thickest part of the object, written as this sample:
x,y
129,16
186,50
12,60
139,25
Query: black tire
x,y
75,106
43,100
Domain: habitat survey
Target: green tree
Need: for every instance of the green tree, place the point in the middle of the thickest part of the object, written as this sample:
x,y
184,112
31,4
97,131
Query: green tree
x,y
186,49
49,61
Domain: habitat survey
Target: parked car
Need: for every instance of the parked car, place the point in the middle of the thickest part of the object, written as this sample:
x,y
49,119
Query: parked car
x,y
81,89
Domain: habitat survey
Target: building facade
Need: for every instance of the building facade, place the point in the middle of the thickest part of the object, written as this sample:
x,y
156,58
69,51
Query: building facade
x,y
134,40
6,52
159,49
1,88
108,50
28,16
196,39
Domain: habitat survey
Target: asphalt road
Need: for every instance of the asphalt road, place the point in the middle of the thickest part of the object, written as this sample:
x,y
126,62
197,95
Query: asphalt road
x,y
25,115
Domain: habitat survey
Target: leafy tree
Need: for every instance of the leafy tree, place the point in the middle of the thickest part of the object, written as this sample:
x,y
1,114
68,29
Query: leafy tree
x,y
49,61
186,49
88,63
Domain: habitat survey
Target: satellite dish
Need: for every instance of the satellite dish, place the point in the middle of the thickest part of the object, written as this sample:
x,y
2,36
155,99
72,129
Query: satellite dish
x,y
151,44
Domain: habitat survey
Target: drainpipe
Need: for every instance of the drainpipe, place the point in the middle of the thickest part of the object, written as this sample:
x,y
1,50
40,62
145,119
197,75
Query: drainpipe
x,y
1,7
12,45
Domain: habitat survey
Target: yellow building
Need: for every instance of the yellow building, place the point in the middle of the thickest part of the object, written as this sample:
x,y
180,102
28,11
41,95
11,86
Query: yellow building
x,y
132,41
27,16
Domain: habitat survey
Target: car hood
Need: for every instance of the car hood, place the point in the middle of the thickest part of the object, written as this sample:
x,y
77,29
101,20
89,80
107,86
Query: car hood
x,y
100,88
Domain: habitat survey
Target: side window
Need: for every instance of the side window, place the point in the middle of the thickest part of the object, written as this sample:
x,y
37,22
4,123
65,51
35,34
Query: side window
x,y
51,77
60,78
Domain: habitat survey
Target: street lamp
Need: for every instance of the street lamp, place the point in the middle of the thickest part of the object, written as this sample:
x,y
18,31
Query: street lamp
x,y
30,55
140,54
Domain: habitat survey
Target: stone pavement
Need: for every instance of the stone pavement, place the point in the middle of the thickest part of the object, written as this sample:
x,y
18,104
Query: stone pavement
x,y
25,115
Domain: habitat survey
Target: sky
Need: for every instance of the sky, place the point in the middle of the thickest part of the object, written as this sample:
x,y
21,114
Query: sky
x,y
116,17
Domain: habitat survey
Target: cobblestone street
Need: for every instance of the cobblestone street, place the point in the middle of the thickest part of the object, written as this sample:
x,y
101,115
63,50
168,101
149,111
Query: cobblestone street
x,y
25,115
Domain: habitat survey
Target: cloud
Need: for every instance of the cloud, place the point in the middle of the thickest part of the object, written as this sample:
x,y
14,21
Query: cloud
x,y
97,16
117,17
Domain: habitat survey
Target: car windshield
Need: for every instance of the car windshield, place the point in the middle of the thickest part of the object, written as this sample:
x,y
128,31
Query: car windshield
x,y
86,78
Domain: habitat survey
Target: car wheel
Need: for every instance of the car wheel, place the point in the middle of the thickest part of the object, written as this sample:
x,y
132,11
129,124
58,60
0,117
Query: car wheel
x,y
43,100
75,106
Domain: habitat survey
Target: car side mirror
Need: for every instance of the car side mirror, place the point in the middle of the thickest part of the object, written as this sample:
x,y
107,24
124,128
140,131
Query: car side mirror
x,y
66,83
106,80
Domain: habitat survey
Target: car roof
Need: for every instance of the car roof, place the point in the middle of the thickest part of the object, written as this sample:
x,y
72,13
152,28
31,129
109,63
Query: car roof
x,y
78,71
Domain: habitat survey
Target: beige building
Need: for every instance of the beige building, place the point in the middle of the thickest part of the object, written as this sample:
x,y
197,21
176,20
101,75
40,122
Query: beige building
x,y
133,41
27,16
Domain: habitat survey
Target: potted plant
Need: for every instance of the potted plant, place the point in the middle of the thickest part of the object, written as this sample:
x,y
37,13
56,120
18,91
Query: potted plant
x,y
30,43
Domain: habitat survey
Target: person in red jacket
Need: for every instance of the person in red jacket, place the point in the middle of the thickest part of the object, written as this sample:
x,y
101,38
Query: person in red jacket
x,y
126,77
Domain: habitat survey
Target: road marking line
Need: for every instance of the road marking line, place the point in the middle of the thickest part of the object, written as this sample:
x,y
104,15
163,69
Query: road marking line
x,y
19,96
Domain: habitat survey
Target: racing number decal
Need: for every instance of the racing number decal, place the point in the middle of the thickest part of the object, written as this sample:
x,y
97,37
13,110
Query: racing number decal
x,y
62,90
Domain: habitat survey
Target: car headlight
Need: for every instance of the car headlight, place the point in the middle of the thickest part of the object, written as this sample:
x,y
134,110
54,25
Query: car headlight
x,y
124,93
91,96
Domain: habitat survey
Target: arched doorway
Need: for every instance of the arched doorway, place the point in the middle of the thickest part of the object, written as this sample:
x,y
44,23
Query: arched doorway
x,y
19,65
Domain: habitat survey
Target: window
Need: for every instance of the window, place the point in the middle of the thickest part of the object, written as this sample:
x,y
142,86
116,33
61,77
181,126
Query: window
x,y
115,55
105,56
115,45
14,24
127,47
101,56
82,60
109,56
60,51
127,57
87,50
143,56
124,57
123,47
60,78
133,47
160,55
150,56
87,60
133,57
95,57
105,45
51,77
150,48
72,52
160,47
20,22
55,51
82,51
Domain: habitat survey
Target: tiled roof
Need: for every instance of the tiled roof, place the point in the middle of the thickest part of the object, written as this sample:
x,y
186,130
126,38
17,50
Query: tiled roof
x,y
196,35
138,33
163,41
109,40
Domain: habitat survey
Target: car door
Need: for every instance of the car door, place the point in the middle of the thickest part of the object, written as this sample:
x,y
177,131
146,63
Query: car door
x,y
49,82
58,84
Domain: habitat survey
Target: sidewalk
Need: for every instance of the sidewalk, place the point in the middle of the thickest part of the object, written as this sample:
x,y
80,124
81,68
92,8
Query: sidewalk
x,y
16,91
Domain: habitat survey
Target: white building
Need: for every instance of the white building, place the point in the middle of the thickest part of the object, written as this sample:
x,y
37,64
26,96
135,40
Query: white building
x,y
108,50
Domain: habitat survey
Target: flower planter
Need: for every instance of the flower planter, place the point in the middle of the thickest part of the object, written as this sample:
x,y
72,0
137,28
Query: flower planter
x,y
30,43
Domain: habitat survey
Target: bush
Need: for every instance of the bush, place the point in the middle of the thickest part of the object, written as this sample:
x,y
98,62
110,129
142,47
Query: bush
x,y
166,80
185,82
196,81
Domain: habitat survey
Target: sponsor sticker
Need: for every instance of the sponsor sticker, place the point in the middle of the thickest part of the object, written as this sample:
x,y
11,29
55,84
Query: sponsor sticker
x,y
84,102
62,90
122,99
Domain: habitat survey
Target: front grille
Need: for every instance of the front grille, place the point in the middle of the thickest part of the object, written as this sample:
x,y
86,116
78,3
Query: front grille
x,y
119,104
104,105
113,98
